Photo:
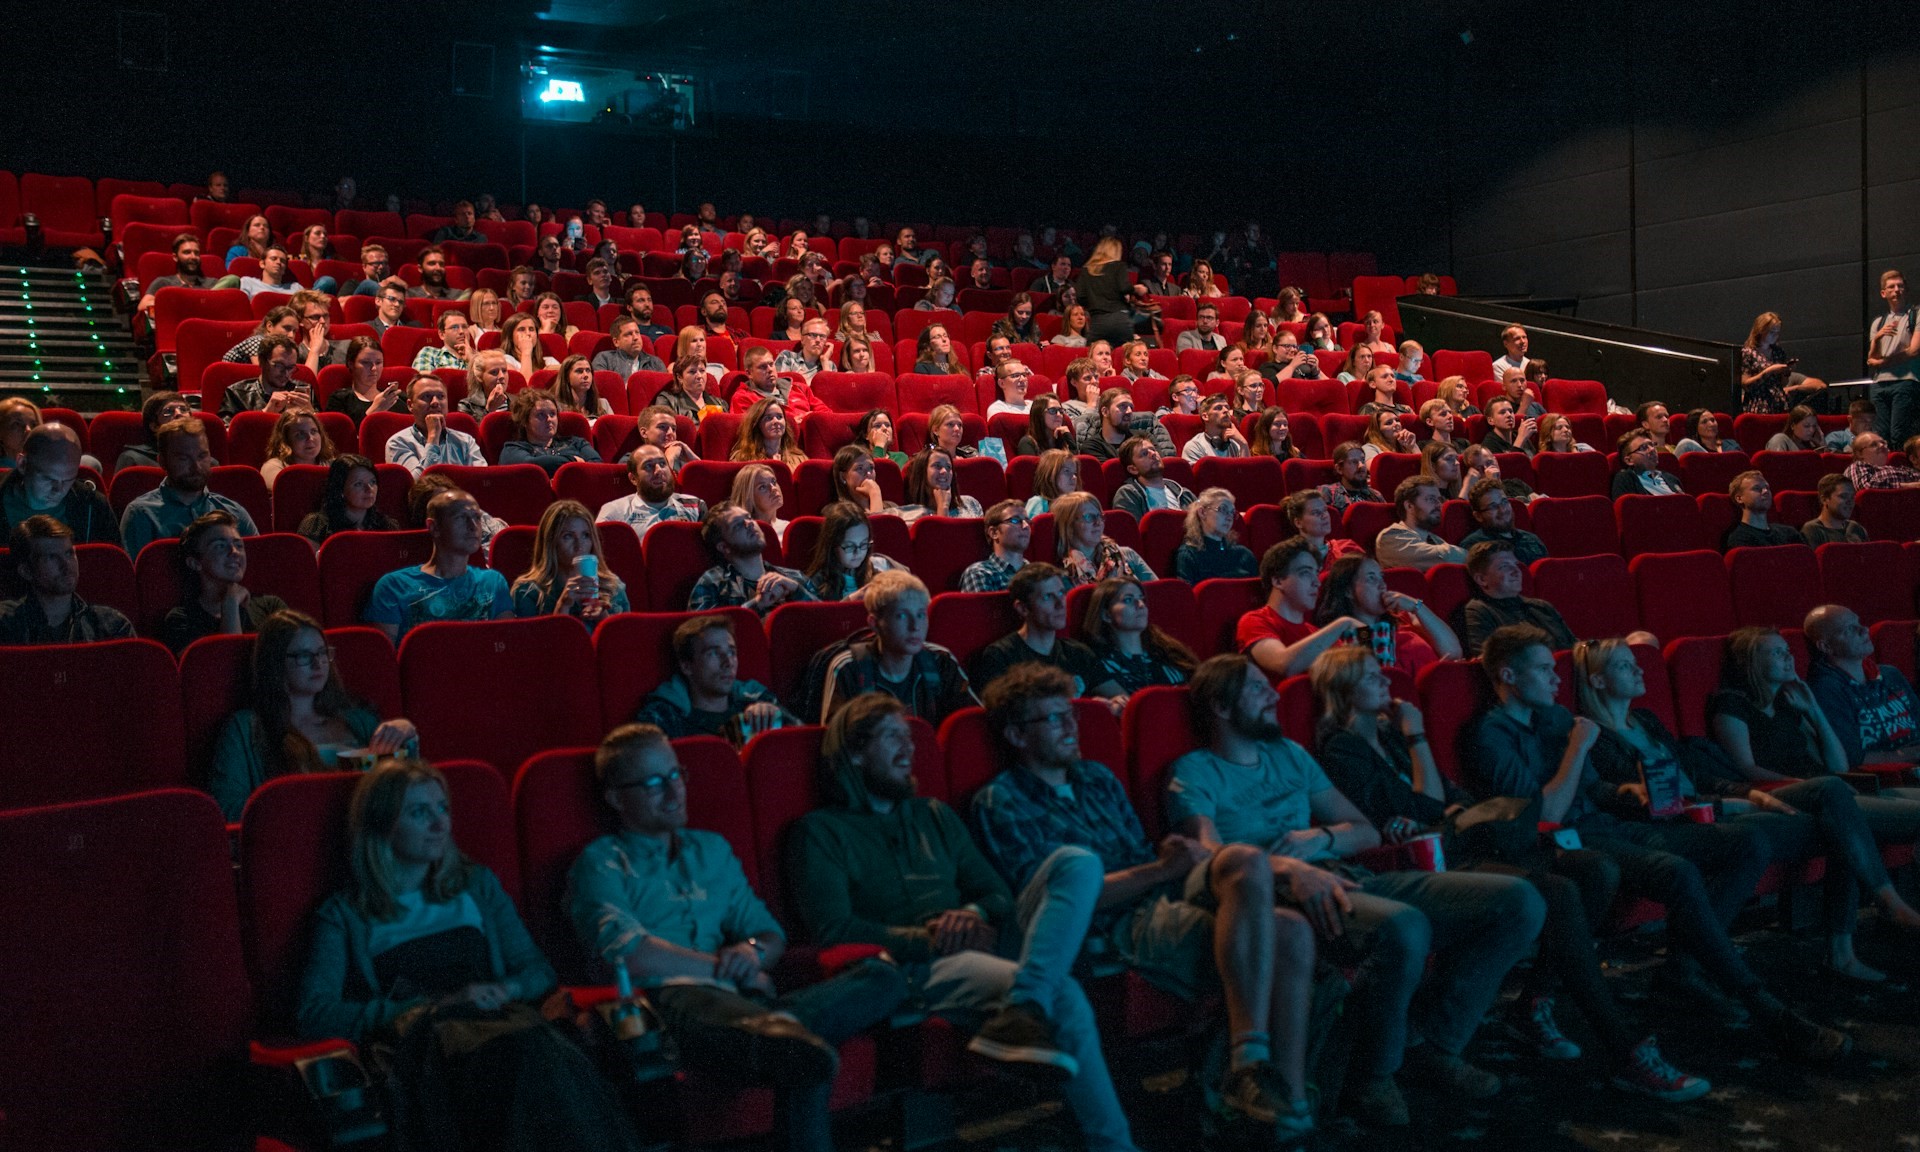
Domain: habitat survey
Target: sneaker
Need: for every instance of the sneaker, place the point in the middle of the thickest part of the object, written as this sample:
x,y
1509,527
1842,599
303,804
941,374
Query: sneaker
x,y
1647,1073
1691,988
1540,1032
1451,1074
1798,1036
1377,1103
1295,1124
1019,1035
1248,1097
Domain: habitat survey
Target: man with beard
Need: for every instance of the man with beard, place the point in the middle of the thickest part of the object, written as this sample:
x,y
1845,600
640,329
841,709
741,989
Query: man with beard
x,y
1147,487
546,254
275,389
1415,541
713,317
742,578
186,270
640,307
50,612
433,277
183,496
449,586
655,497
878,864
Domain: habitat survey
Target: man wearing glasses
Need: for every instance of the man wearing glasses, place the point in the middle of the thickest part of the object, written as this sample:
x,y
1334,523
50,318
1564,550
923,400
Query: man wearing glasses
x,y
390,310
898,660
672,906
1640,473
1009,530
1011,377
375,271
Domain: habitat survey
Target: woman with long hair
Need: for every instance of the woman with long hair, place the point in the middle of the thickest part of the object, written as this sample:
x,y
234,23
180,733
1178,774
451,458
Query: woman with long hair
x,y
1385,434
935,353
300,719
1402,631
765,435
537,439
930,490
1308,515
1375,750
1083,549
857,353
1359,363
854,480
560,581
489,376
1817,816
1055,474
1073,328
1212,546
256,236
313,247
692,341
1707,436
1257,336
1320,334
1802,433
790,320
1768,381
686,393
1556,434
573,387
550,314
1200,281
348,502
1048,427
940,296
423,951
757,489
1132,651
1440,462
520,342
1458,397
843,557
363,392
298,437
1288,307
1104,290
874,432
1273,436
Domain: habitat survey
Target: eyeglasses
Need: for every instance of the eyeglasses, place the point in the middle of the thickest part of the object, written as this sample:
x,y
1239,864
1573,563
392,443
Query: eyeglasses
x,y
318,658
654,783
856,546
1016,518
1061,719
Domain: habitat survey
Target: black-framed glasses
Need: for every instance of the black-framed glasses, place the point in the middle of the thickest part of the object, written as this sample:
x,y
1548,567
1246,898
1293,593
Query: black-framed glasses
x,y
653,783
318,658
1060,719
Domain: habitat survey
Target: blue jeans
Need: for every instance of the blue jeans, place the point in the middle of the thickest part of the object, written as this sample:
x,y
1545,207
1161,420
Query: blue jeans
x,y
1052,915
1475,925
1896,409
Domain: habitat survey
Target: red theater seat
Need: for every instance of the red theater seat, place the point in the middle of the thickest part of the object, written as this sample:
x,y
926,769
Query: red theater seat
x,y
1593,593
466,686
1682,594
1773,587
118,729
351,563
633,653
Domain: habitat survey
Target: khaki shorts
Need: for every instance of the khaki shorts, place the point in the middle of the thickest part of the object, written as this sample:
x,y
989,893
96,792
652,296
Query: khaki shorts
x,y
1170,939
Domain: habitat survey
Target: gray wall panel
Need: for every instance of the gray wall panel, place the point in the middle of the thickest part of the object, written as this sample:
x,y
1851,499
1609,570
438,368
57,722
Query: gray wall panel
x,y
1806,233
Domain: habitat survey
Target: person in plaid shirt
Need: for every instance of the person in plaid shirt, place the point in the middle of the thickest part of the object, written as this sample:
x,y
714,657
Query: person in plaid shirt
x,y
1008,530
743,577
1166,909
1871,469
453,352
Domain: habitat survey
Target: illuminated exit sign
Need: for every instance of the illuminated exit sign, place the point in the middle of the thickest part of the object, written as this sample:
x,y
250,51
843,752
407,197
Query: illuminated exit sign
x,y
563,91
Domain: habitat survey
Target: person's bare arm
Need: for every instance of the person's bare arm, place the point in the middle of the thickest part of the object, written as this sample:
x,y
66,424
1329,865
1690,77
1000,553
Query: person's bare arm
x,y
1281,660
1736,741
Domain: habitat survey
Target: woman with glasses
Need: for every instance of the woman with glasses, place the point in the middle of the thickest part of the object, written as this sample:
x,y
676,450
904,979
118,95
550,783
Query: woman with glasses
x,y
1048,427
301,720
1084,550
843,558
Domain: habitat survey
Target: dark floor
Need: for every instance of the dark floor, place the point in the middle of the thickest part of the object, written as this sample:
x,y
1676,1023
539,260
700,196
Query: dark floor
x,y
1870,1102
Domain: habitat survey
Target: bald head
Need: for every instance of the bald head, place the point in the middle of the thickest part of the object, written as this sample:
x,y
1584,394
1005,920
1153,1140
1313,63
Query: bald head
x,y
1825,621
50,443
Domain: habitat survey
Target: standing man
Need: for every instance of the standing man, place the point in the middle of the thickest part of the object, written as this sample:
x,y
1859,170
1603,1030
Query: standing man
x,y
1893,356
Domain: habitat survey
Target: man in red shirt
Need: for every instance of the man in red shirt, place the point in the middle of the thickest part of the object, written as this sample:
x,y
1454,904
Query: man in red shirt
x,y
1281,638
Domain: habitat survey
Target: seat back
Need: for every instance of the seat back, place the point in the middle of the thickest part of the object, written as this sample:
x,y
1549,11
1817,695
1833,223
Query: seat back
x,y
351,563
125,991
1219,604
634,655
1593,593
1452,693
95,720
1873,579
1157,728
466,683
1573,473
973,757
965,622
1660,524
517,493
1682,594
278,564
1704,472
1576,525
1252,479
1774,587
796,631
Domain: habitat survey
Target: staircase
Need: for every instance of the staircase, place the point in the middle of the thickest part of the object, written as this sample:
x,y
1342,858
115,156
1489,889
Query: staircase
x,y
61,343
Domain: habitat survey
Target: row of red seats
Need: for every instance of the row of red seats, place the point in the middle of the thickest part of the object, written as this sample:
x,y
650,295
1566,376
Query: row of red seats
x,y
463,683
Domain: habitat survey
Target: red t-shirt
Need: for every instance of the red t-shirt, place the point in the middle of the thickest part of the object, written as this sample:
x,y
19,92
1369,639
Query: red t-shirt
x,y
1266,624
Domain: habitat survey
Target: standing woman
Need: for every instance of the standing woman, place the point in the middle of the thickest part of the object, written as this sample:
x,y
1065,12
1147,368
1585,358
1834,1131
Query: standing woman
x,y
1103,290
1768,380
423,954
347,503
298,437
556,585
301,719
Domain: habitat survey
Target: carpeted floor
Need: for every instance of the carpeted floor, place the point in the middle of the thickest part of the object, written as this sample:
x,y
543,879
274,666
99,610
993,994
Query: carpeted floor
x,y
1761,1102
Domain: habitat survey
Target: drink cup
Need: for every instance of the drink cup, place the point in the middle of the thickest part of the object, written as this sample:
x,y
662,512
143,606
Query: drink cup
x,y
1698,813
1425,853
588,566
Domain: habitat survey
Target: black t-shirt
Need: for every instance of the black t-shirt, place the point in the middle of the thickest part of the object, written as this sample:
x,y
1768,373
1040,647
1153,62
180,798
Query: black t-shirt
x,y
1782,742
1380,786
190,621
1004,654
1743,535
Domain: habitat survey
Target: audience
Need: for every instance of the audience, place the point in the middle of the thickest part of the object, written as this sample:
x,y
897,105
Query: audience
x,y
423,948
1039,595
300,717
1528,745
705,696
929,488
347,502
46,482
1133,652
1211,547
1306,513
1497,573
843,557
895,658
453,351
1413,540
429,441
1640,473
1861,417
213,566
1049,427
43,557
1009,529
765,434
448,586
298,437
1350,465
569,575
1272,436
1375,752
741,577
629,353
537,439
183,496
1493,512
704,960
1869,705
1402,631
874,432
1146,487
489,385
1871,467
878,864
363,392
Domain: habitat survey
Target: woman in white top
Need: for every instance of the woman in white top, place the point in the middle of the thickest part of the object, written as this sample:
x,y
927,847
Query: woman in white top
x,y
757,489
298,437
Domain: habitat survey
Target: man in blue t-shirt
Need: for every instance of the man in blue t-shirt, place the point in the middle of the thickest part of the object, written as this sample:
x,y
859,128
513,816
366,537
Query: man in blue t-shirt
x,y
1871,706
446,587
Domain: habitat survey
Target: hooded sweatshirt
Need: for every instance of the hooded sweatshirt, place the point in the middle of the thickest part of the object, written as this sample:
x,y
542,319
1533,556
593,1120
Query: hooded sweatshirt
x,y
670,707
85,510
861,876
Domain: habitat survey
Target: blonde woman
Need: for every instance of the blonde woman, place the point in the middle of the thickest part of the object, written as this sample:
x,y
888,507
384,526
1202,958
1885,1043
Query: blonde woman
x,y
484,309
488,378
1457,396
945,431
1073,328
757,489
1084,550
520,340
692,341
1103,289
569,574
298,437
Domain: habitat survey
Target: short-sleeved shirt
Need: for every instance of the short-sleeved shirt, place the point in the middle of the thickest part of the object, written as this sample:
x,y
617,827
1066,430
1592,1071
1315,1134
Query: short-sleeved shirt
x,y
1267,624
1011,650
690,893
641,515
1782,742
1257,804
163,514
410,596
1879,715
